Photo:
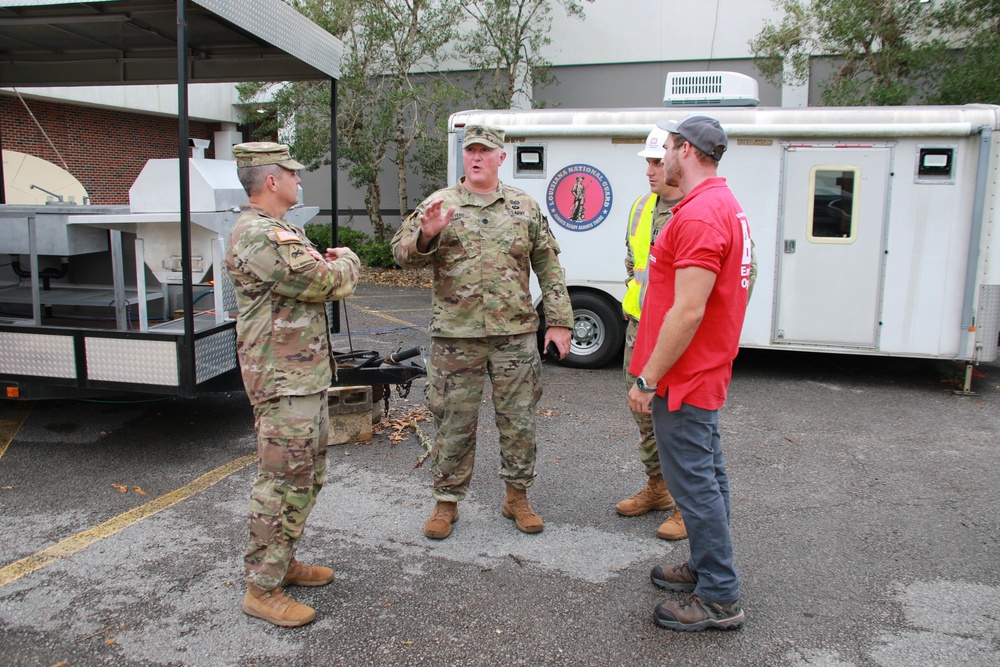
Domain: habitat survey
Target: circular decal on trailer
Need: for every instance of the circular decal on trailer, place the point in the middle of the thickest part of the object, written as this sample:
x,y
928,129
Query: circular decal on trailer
x,y
579,197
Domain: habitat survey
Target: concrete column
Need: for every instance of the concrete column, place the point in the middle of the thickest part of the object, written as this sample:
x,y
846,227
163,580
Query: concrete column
x,y
225,139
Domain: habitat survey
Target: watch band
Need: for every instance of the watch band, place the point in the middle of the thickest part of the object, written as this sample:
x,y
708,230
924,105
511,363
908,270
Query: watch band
x,y
643,386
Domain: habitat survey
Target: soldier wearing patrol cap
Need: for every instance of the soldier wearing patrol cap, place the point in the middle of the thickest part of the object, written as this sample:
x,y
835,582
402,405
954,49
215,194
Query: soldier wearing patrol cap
x,y
282,339
483,239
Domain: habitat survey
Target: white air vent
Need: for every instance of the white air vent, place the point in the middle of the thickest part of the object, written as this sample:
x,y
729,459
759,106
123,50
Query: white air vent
x,y
721,89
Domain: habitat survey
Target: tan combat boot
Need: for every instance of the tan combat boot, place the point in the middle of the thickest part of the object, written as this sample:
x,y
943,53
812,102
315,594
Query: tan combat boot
x,y
438,526
673,528
301,574
653,497
517,507
276,607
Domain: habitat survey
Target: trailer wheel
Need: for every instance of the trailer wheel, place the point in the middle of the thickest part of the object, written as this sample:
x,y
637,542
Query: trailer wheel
x,y
598,331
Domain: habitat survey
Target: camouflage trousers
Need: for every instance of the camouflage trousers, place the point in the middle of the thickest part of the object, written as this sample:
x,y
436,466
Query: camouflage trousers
x,y
292,436
648,453
456,373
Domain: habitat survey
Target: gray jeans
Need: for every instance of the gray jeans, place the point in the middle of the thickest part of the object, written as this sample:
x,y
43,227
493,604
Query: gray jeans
x,y
695,473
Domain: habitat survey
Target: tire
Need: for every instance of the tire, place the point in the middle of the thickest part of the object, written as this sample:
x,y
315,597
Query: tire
x,y
598,331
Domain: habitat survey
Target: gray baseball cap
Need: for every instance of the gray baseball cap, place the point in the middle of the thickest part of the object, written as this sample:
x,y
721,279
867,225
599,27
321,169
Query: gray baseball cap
x,y
703,132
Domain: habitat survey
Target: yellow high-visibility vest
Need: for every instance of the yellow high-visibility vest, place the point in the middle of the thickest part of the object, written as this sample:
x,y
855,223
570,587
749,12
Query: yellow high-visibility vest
x,y
640,232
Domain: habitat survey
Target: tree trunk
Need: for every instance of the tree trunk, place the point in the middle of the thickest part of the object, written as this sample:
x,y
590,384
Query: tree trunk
x,y
520,89
404,200
373,204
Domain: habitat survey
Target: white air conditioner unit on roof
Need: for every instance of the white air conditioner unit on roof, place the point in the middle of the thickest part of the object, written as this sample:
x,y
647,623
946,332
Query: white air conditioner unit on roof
x,y
719,89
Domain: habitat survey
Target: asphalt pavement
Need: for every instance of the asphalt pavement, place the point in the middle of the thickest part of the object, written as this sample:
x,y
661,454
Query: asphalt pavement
x,y
865,517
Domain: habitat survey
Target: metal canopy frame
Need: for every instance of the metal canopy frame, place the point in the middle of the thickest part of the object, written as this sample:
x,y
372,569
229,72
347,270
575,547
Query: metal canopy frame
x,y
120,42
110,42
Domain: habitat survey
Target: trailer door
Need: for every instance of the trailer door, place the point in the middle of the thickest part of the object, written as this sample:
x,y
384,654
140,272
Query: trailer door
x,y
830,253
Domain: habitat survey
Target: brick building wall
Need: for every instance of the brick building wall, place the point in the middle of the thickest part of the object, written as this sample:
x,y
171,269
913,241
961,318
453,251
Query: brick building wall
x,y
104,149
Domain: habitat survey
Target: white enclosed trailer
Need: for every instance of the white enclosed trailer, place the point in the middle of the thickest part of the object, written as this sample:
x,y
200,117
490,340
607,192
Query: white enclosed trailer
x,y
875,227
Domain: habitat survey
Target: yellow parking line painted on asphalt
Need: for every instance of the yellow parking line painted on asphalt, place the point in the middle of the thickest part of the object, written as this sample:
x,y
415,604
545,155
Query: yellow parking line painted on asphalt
x,y
78,542
384,316
11,425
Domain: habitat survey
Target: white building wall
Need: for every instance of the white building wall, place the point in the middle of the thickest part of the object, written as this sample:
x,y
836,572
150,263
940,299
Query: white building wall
x,y
213,102
632,31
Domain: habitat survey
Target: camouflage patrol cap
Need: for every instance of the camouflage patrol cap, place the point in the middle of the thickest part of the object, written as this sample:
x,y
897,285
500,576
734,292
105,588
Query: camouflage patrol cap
x,y
491,137
259,153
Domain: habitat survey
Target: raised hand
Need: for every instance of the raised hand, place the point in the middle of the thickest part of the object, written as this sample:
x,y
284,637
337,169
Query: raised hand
x,y
433,219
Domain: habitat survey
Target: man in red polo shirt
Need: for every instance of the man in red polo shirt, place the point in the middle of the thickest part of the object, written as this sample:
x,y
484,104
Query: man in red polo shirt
x,y
699,276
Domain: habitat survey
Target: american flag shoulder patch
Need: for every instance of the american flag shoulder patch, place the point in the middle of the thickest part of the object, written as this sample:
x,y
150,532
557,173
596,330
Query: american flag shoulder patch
x,y
282,236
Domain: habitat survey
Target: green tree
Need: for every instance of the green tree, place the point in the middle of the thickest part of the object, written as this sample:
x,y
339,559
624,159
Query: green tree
x,y
393,102
885,51
971,75
504,46
384,108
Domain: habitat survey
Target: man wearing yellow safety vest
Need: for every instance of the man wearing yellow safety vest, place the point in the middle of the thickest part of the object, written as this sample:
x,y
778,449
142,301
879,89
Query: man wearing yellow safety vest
x,y
650,214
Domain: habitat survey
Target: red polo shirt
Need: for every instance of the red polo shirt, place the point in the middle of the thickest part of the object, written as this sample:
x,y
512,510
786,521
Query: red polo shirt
x,y
709,230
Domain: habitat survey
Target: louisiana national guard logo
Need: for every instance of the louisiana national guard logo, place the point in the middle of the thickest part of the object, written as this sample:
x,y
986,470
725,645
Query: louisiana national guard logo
x,y
579,197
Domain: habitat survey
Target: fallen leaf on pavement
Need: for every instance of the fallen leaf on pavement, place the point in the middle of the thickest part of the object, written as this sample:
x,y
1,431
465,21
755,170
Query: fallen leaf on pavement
x,y
396,429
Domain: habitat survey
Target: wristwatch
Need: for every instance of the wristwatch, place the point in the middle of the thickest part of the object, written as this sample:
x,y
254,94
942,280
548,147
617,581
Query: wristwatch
x,y
643,386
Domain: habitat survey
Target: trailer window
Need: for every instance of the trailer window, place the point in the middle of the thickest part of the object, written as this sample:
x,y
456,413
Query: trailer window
x,y
935,164
833,204
529,161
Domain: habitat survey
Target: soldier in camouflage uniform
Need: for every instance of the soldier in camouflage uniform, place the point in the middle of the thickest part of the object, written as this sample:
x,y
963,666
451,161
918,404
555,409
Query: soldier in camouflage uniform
x,y
483,239
282,339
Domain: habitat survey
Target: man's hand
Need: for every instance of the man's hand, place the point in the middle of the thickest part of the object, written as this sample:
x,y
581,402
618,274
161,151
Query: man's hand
x,y
432,221
333,254
639,401
561,337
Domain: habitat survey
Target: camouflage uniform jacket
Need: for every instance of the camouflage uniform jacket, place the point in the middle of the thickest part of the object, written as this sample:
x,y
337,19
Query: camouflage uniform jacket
x,y
282,332
483,261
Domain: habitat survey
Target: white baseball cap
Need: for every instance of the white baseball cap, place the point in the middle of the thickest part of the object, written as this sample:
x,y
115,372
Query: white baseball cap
x,y
654,144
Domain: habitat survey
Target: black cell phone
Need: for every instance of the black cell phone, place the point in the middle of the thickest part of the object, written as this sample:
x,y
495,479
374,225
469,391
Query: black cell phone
x,y
552,351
